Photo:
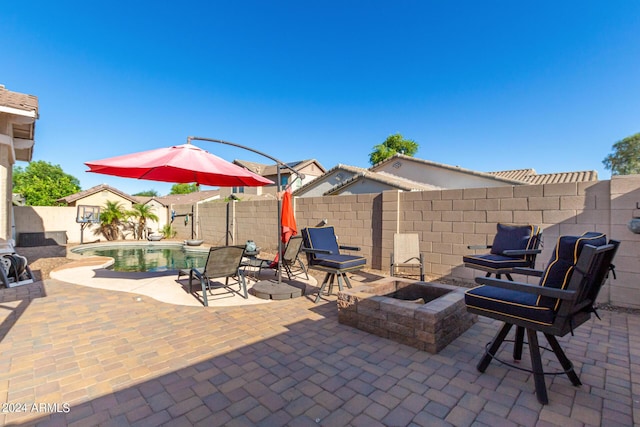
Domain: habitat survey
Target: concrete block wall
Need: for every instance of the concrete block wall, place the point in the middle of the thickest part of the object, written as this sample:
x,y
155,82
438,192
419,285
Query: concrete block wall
x,y
357,220
446,221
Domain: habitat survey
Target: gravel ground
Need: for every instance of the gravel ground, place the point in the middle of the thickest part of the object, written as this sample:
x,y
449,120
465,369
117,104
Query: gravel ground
x,y
43,259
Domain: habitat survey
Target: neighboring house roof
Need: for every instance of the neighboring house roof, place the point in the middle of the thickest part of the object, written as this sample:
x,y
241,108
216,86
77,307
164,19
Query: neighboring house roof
x,y
183,199
18,103
398,157
351,170
382,178
24,110
531,177
93,190
268,170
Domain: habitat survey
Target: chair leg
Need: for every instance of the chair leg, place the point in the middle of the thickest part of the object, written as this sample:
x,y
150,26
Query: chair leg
x,y
331,282
517,347
324,283
563,359
536,366
304,269
346,280
493,349
204,290
340,275
243,284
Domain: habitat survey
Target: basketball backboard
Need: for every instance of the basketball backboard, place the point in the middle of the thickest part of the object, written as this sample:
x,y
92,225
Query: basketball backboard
x,y
88,214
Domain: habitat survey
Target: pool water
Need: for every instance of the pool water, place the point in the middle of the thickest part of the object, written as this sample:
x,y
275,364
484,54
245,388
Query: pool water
x,y
148,258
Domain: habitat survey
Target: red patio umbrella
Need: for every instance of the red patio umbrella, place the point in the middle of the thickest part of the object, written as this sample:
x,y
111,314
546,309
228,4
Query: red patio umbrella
x,y
184,163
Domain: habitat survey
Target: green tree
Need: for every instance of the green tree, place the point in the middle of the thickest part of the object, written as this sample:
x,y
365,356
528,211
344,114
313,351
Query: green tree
x,y
394,144
142,213
111,216
183,188
147,193
42,183
625,159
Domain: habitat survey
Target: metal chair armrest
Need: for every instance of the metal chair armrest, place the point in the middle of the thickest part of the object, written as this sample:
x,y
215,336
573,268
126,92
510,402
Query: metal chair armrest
x,y
475,247
317,251
349,248
518,252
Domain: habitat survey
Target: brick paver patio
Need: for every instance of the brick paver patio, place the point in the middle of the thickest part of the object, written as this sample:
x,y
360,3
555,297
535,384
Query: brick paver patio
x,y
81,356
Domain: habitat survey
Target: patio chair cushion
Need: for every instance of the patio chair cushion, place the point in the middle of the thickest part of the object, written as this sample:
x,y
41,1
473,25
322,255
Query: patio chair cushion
x,y
508,302
341,262
563,260
323,238
495,261
516,237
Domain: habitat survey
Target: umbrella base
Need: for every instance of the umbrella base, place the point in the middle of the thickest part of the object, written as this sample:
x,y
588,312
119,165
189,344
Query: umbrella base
x,y
271,289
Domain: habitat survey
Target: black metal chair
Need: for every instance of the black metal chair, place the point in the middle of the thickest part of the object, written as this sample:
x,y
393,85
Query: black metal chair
x,y
514,246
562,301
222,262
323,253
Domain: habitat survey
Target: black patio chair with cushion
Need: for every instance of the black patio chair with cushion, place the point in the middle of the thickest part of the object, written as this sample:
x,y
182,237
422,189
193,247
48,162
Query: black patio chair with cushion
x,y
514,246
14,268
222,262
562,301
323,253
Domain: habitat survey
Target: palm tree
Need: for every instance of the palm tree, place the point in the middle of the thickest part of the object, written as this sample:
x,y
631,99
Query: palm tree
x,y
110,216
142,213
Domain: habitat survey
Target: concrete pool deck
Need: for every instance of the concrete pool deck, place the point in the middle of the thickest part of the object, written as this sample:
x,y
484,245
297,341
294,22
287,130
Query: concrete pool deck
x,y
162,286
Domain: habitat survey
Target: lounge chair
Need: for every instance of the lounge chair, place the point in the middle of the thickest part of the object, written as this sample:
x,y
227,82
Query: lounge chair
x,y
291,257
406,254
14,269
290,260
514,246
323,253
562,301
222,262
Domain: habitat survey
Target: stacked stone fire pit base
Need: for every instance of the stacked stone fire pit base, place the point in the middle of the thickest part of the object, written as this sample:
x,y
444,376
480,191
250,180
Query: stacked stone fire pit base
x,y
427,316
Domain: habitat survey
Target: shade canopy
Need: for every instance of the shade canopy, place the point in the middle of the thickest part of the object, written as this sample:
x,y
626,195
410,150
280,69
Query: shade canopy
x,y
183,164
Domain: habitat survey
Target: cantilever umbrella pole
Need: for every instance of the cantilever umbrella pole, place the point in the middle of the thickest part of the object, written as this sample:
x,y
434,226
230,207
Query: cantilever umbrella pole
x,y
279,163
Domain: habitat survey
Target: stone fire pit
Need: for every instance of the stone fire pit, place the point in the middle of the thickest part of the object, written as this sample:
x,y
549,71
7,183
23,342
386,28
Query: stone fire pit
x,y
427,316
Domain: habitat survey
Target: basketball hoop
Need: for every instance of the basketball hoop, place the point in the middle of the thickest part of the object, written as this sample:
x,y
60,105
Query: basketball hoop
x,y
86,215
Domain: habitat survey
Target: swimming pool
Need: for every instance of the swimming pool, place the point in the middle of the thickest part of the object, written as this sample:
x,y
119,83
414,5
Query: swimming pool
x,y
146,257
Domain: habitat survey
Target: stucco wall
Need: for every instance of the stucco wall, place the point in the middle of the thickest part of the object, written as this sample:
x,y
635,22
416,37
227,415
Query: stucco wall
x,y
35,219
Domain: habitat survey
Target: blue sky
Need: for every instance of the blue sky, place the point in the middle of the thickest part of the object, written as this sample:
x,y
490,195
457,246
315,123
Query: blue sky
x,y
483,85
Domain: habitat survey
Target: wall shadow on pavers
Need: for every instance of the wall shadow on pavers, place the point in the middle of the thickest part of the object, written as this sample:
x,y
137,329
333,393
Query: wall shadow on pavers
x,y
14,302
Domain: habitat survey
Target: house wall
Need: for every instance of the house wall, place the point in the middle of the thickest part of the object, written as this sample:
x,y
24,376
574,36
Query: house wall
x,y
437,176
100,199
446,221
365,187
